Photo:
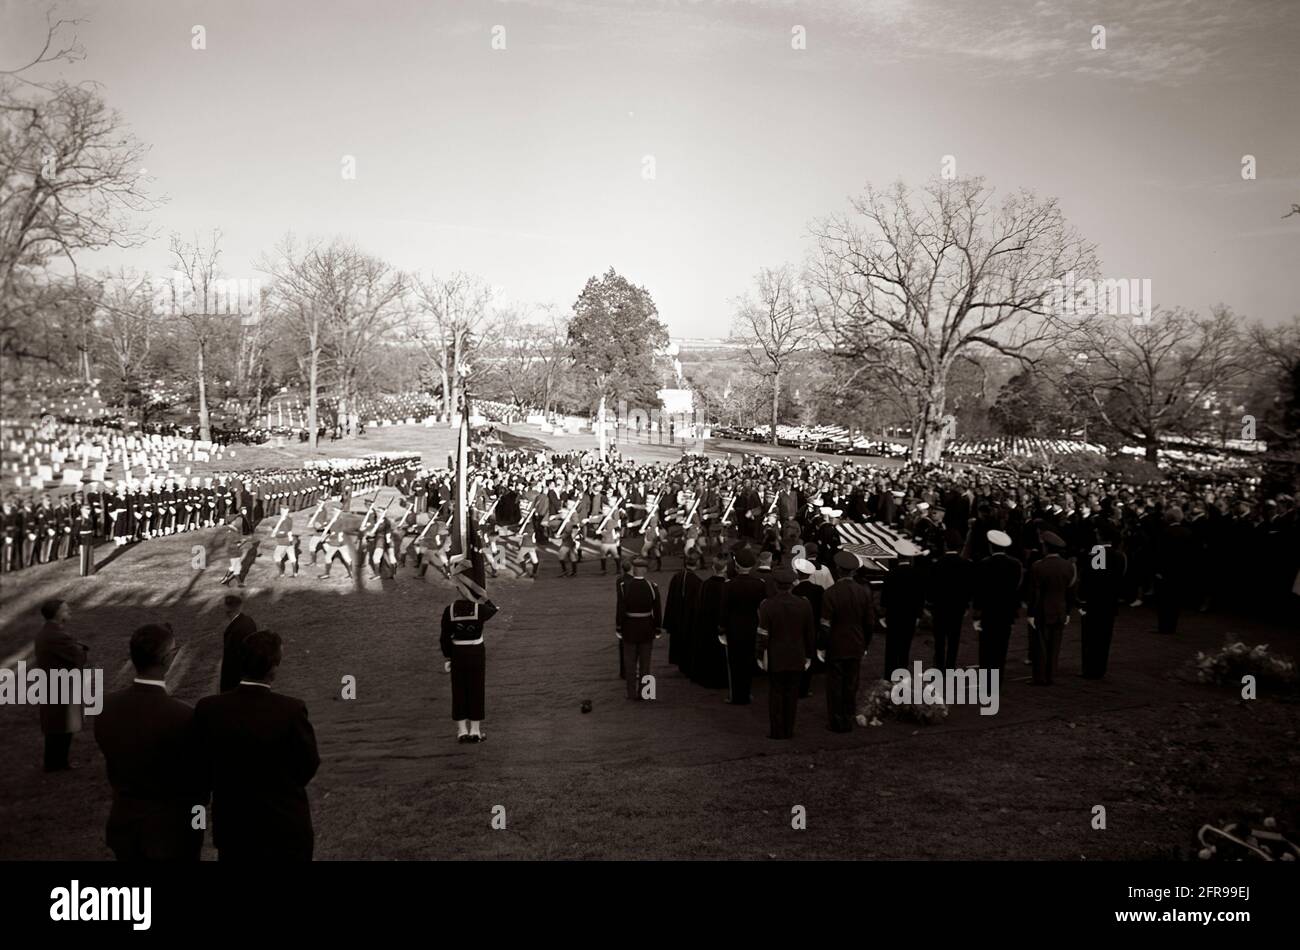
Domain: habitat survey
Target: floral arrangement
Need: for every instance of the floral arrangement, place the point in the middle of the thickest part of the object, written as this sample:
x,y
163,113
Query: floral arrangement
x,y
1235,660
877,702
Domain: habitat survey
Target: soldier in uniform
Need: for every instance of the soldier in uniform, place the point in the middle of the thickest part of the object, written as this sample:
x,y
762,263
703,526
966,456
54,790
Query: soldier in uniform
x,y
784,646
610,529
848,619
404,530
738,625
66,517
652,541
230,541
34,519
286,542
462,643
638,622
319,519
337,542
10,530
997,600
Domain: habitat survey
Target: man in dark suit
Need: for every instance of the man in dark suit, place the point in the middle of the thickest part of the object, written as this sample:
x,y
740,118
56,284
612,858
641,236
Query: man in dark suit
x,y
738,625
784,645
1174,559
950,591
258,752
148,748
848,619
56,650
638,622
997,600
1101,585
902,598
1052,586
708,656
238,627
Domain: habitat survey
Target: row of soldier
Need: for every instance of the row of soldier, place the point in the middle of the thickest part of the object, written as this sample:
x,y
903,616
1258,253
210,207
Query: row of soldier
x,y
38,530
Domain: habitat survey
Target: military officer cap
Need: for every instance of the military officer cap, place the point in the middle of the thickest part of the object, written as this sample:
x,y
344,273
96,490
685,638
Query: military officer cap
x,y
999,539
847,561
1053,540
804,566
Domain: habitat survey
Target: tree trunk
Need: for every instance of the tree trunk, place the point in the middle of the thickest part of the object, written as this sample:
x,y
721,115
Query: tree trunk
x,y
776,401
455,374
934,432
446,385
601,423
311,401
205,428
1152,447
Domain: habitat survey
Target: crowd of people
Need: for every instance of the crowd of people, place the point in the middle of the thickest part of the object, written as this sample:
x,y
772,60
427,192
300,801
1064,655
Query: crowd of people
x,y
788,592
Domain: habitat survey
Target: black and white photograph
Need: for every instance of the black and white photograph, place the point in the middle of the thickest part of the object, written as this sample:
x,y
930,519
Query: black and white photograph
x,y
470,435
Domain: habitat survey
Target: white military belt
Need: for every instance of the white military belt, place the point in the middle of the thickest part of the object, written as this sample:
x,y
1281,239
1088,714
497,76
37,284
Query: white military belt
x,y
467,643
647,613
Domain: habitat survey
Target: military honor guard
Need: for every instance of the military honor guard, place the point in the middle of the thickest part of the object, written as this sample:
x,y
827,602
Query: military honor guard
x,y
638,622
286,542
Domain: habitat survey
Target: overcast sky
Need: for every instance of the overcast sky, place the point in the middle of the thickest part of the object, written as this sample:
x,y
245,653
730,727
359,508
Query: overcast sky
x,y
525,165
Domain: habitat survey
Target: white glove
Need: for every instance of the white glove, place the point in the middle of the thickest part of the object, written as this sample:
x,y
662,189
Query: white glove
x,y
619,634
821,655
977,625
807,663
762,662
722,639
446,666
1032,625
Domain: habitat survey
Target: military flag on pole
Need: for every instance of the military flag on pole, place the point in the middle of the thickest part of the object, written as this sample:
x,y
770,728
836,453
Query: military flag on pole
x,y
465,562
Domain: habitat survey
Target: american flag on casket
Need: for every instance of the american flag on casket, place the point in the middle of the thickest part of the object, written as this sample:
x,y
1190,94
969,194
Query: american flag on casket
x,y
869,539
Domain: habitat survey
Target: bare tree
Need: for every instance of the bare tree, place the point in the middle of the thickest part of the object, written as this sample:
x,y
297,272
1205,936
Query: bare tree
x,y
126,328
367,309
196,295
304,286
907,285
774,327
453,312
72,183
1149,378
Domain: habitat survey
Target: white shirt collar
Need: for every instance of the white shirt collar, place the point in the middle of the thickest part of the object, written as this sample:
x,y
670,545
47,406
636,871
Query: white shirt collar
x,y
254,683
144,682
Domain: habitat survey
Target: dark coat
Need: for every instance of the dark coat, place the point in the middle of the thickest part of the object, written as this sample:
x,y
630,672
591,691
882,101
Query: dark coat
x,y
147,740
738,616
259,752
997,588
848,618
785,632
57,650
1051,589
708,657
236,631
